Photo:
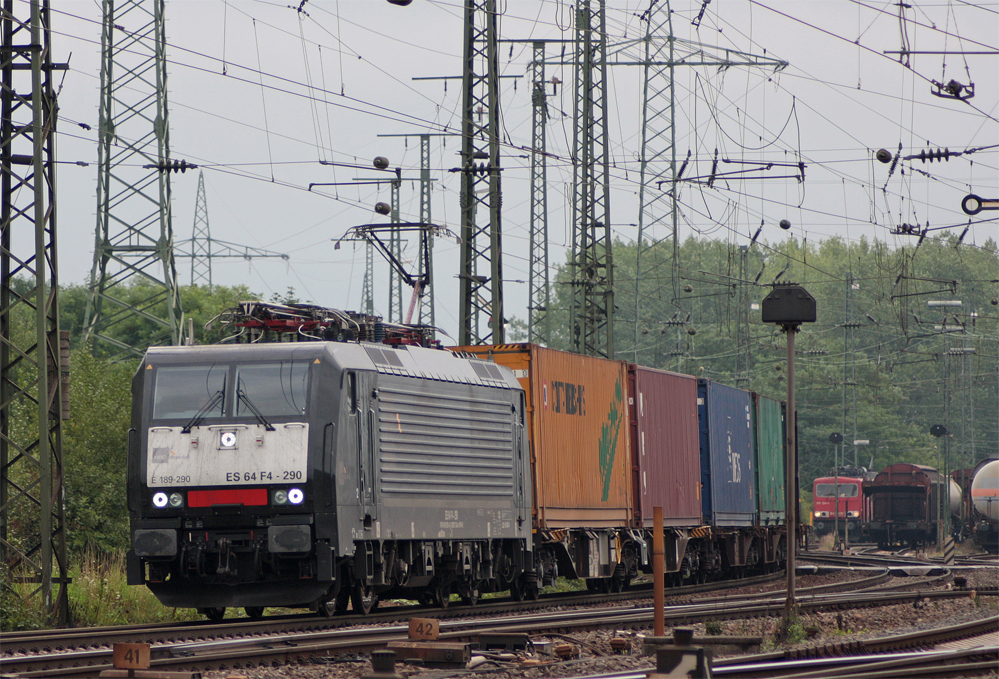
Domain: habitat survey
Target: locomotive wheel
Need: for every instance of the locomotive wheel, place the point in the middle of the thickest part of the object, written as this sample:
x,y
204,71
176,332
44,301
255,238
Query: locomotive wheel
x,y
363,599
213,614
254,612
532,591
516,590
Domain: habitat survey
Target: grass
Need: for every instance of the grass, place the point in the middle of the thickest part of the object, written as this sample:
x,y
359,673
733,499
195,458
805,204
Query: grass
x,y
99,596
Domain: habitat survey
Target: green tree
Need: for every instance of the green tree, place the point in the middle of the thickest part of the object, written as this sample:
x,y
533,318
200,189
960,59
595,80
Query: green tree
x,y
94,453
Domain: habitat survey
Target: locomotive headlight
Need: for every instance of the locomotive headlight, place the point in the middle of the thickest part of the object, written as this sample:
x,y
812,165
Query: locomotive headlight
x,y
160,500
853,515
176,500
296,496
817,514
280,497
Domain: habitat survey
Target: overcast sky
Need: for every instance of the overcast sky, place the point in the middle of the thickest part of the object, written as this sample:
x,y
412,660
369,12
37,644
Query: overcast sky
x,y
261,93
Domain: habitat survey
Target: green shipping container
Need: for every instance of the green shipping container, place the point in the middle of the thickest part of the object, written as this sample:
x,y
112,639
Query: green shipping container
x,y
768,427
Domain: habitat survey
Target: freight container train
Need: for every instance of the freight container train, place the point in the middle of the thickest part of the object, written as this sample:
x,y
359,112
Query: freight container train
x,y
321,473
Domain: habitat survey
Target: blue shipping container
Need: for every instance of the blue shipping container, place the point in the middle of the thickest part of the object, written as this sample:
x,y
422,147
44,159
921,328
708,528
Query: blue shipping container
x,y
724,416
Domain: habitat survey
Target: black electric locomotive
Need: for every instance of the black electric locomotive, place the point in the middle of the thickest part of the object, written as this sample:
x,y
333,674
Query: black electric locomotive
x,y
253,479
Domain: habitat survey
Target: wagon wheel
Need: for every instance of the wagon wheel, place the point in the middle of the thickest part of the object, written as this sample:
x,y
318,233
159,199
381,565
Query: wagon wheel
x,y
531,591
472,593
617,582
516,590
363,598
254,612
213,614
442,594
426,598
329,606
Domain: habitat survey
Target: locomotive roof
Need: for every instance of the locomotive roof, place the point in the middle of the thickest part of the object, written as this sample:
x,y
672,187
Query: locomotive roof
x,y
403,360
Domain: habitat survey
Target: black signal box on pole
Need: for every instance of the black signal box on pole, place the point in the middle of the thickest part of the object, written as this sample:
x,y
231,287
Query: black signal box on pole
x,y
789,305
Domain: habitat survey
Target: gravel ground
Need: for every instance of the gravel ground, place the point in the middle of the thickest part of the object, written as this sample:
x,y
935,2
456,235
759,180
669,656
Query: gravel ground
x,y
597,657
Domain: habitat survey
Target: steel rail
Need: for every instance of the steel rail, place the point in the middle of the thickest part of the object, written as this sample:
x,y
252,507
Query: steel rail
x,y
322,645
39,641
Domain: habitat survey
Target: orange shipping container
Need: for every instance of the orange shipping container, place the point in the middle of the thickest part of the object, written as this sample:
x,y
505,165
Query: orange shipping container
x,y
578,428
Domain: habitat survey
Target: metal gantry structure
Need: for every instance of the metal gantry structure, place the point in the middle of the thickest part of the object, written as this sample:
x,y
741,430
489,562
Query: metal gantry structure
x,y
480,274
591,272
201,239
662,52
539,284
134,239
425,314
202,248
33,351
395,311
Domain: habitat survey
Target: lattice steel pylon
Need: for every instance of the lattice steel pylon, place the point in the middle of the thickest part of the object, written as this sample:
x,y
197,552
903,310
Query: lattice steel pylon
x,y
134,241
591,319
538,323
368,289
202,248
657,218
395,312
425,314
33,358
481,269
201,239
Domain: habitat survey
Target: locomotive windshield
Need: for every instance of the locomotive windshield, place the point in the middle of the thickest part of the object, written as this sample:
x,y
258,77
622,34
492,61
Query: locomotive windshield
x,y
182,391
273,389
829,490
267,390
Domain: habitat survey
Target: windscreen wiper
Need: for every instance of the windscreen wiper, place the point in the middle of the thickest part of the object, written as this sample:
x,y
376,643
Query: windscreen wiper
x,y
243,398
215,400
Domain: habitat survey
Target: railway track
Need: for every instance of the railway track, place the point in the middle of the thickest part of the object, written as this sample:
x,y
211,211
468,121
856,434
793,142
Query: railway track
x,y
247,645
894,656
41,641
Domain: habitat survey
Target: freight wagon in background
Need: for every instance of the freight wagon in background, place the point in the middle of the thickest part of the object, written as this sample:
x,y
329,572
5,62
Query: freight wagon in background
x,y
983,517
906,503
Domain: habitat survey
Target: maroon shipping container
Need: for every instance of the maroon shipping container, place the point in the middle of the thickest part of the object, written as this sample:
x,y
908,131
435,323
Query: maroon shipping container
x,y
666,462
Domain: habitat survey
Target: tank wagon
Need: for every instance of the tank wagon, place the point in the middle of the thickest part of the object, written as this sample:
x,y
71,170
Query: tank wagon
x,y
984,492
360,464
906,504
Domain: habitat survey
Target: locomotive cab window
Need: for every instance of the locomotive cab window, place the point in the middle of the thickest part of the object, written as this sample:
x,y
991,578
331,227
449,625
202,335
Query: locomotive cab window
x,y
272,389
183,391
829,490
